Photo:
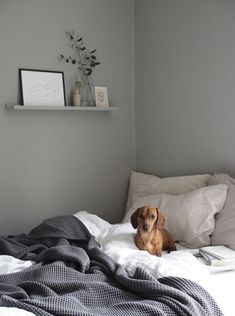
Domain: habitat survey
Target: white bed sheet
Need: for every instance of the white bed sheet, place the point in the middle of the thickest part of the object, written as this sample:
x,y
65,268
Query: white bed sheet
x,y
13,311
117,241
9,264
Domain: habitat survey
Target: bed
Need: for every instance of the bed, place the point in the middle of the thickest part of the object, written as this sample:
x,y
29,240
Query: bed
x,y
118,242
83,265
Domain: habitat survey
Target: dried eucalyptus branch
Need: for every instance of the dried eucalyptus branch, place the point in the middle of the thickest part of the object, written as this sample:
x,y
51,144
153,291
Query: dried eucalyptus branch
x,y
85,60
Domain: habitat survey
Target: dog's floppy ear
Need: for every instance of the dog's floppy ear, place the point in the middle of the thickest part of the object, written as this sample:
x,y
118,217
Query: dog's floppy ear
x,y
160,219
134,217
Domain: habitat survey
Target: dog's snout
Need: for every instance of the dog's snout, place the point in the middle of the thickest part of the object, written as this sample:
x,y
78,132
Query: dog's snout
x,y
145,227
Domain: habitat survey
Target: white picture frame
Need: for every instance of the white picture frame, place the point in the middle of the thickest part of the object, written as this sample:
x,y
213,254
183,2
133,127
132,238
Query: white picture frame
x,y
42,87
101,97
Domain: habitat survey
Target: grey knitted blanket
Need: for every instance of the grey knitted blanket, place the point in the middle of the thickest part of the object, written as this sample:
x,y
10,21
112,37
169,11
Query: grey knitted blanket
x,y
72,276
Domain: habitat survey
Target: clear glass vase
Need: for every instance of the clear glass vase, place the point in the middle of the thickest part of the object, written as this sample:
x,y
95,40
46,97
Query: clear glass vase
x,y
87,94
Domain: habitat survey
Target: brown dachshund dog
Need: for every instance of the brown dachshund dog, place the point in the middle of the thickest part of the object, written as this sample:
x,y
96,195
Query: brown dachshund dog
x,y
151,236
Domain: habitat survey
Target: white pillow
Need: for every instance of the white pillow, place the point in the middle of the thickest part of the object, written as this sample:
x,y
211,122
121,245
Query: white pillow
x,y
142,184
189,217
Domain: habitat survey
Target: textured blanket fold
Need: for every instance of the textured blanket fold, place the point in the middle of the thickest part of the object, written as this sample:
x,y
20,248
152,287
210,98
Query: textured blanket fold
x,y
73,276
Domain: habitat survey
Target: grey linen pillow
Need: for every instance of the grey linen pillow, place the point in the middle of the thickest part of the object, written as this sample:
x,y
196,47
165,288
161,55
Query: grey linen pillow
x,y
224,233
142,184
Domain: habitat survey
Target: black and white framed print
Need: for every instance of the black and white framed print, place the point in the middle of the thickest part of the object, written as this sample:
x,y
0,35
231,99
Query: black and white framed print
x,y
42,87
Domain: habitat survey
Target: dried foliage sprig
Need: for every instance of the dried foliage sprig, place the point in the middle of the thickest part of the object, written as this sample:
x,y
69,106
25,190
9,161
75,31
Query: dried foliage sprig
x,y
84,59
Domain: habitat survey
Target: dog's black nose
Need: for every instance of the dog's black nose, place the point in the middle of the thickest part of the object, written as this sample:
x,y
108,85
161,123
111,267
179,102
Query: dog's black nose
x,y
145,227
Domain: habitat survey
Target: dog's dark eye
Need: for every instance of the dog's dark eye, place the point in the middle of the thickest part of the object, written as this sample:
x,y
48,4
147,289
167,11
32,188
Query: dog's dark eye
x,y
141,216
152,216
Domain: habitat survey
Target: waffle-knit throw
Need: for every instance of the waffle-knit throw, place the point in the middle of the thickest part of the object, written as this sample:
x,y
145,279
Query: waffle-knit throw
x,y
73,276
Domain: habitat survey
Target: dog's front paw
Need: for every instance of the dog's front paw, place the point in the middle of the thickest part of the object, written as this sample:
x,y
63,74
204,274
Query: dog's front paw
x,y
158,253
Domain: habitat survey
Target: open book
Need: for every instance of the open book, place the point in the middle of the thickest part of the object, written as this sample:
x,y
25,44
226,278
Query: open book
x,y
218,255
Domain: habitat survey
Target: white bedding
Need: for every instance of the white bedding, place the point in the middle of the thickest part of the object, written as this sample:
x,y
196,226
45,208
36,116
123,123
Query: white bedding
x,y
13,311
9,264
117,241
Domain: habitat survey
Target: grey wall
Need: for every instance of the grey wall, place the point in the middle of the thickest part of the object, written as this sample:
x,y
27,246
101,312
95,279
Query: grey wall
x,y
57,162
54,163
185,86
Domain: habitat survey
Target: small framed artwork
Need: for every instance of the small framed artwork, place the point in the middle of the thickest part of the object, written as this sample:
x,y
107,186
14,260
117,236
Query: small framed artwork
x,y
101,96
42,87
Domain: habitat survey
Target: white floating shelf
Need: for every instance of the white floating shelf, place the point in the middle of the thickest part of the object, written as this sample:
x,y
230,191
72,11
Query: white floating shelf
x,y
58,108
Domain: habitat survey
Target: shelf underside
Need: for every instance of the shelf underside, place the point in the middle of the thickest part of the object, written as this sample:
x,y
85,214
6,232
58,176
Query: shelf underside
x,y
58,108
